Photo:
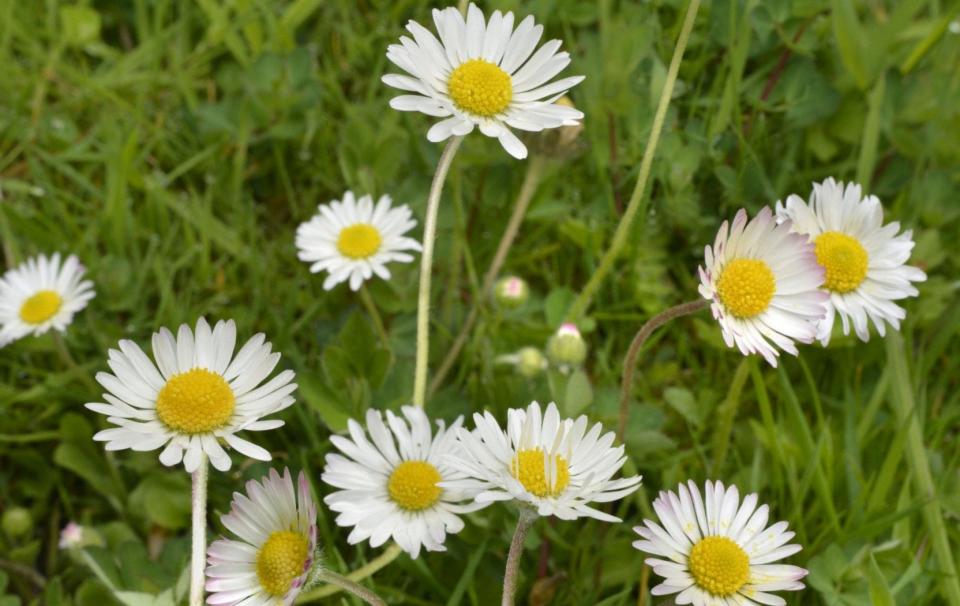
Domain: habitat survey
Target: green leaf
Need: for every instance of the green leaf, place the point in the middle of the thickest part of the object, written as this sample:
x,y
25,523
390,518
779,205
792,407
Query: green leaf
x,y
322,399
880,594
164,499
850,41
683,401
81,25
578,395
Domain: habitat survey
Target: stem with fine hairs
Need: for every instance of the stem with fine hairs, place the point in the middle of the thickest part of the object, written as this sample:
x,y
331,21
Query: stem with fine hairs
x,y
351,587
511,572
198,550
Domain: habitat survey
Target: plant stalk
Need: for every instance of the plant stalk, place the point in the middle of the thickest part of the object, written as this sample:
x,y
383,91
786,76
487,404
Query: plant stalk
x,y
511,572
199,533
357,575
351,587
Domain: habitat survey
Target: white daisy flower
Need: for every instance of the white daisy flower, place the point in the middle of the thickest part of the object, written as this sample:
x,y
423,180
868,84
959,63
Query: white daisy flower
x,y
864,260
482,73
354,239
196,394
390,484
719,552
277,530
763,283
41,294
556,466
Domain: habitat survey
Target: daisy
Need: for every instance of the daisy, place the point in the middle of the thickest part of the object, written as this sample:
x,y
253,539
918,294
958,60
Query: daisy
x,y
390,483
277,530
41,294
864,260
482,73
354,239
763,283
195,394
554,465
719,553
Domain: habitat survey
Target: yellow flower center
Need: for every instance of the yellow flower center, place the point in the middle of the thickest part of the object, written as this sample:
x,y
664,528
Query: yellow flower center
x,y
843,258
281,560
196,401
719,566
413,485
480,87
529,468
746,287
359,241
40,307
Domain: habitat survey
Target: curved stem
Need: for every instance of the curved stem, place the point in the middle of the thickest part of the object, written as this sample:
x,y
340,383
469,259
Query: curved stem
x,y
199,542
531,180
582,302
630,361
371,308
426,268
526,520
357,575
350,587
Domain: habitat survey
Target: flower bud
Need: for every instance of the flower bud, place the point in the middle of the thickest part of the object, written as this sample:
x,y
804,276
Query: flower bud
x,y
566,348
17,522
511,292
530,362
71,536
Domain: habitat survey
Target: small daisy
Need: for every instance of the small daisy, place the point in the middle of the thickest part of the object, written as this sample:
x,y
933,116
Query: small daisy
x,y
277,528
196,394
721,553
554,465
354,239
763,283
391,482
864,260
482,73
41,294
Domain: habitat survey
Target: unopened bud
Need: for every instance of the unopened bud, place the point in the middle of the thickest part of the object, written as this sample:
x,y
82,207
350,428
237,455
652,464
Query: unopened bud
x,y
17,522
531,362
566,348
511,292
71,536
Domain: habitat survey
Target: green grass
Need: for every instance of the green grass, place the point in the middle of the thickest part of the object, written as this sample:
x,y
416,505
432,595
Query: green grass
x,y
175,146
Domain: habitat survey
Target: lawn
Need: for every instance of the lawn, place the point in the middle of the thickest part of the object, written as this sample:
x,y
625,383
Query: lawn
x,y
175,147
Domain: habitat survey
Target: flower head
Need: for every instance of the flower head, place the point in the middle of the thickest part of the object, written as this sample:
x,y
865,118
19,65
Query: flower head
x,y
763,282
41,294
353,239
390,484
195,394
482,73
864,260
554,465
276,528
718,550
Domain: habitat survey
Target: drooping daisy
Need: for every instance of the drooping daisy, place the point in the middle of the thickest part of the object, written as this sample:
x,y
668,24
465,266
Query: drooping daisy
x,y
41,294
555,465
763,284
195,394
482,73
354,239
718,551
277,530
390,482
864,260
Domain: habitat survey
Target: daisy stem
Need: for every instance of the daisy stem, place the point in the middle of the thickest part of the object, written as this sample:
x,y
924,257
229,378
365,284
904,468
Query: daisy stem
x,y
583,300
510,574
199,549
371,308
350,587
906,410
531,180
359,574
426,267
630,361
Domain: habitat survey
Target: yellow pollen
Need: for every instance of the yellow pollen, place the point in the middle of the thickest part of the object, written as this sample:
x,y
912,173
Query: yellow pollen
x,y
719,566
746,287
413,485
196,401
528,468
843,258
480,88
40,307
281,560
359,241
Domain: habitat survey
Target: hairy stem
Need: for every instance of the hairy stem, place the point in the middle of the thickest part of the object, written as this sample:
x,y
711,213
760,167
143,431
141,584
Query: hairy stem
x,y
371,308
351,587
426,267
199,542
510,574
531,180
357,575
630,362
582,302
